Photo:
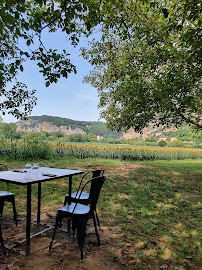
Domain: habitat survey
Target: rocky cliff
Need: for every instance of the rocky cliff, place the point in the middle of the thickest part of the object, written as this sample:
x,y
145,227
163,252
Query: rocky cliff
x,y
67,126
35,126
146,132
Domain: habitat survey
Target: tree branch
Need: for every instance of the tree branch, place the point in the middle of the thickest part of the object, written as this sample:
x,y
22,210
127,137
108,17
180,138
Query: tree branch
x,y
199,125
54,20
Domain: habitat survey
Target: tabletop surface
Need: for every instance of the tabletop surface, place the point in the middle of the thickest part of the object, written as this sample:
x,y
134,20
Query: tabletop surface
x,y
25,177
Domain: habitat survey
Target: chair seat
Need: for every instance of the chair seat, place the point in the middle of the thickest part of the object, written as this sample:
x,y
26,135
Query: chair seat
x,y
75,195
6,193
79,210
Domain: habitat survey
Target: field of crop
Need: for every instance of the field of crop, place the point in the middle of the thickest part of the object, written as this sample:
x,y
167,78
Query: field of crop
x,y
149,211
40,150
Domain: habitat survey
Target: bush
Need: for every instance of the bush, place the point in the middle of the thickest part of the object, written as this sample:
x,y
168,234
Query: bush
x,y
177,143
59,134
78,138
152,139
162,143
27,151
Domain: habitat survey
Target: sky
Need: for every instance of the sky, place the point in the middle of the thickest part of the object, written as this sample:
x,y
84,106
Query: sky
x,y
69,98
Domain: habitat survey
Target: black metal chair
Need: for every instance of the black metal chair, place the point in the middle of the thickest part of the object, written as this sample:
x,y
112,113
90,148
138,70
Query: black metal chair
x,y
9,197
83,198
80,213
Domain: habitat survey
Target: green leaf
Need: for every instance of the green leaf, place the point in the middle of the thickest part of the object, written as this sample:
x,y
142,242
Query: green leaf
x,y
28,42
47,84
12,69
165,12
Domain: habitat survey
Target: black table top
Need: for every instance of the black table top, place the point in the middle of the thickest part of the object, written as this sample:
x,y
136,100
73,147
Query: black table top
x,y
25,177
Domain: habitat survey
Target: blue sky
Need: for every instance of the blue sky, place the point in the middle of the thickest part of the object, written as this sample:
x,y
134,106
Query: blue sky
x,y
68,98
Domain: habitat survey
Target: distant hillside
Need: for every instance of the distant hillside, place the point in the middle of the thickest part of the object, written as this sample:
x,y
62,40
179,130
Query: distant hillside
x,y
68,126
53,124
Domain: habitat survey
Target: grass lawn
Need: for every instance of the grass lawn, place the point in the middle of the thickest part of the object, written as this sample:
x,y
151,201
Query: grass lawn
x,y
154,205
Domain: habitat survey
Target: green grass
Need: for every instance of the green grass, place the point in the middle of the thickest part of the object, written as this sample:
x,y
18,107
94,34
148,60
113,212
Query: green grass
x,y
160,207
156,206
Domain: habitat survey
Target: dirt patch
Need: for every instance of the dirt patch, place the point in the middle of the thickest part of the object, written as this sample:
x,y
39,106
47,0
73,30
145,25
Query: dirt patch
x,y
65,252
98,167
131,167
124,168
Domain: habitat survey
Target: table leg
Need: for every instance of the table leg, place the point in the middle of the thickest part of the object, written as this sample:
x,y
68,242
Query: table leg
x,y
39,203
69,201
27,251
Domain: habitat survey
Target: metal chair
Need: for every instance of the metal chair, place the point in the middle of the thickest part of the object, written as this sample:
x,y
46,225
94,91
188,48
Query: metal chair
x,y
9,197
80,213
83,198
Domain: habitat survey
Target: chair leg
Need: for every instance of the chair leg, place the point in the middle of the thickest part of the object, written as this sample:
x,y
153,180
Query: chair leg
x,y
81,233
74,226
98,222
58,219
2,241
96,231
1,207
14,212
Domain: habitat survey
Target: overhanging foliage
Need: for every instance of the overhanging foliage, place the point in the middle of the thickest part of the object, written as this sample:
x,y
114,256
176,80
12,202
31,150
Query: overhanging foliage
x,y
149,69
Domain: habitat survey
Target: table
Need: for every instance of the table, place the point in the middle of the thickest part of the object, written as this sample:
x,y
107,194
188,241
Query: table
x,y
37,176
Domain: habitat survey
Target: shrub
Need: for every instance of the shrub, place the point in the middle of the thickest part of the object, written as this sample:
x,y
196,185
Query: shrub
x,y
152,139
162,143
31,150
78,138
177,143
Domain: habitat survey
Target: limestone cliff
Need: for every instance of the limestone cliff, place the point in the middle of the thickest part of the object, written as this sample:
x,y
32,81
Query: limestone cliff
x,y
146,132
67,126
35,126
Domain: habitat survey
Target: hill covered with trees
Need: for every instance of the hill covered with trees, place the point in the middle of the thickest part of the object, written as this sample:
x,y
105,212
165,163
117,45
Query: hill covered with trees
x,y
54,124
51,128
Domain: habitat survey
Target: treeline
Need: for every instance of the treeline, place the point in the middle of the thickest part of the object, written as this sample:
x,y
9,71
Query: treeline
x,y
184,137
8,131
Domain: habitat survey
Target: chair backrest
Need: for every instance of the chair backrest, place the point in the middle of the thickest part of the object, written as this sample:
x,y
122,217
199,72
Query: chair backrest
x,y
3,167
94,173
96,185
97,173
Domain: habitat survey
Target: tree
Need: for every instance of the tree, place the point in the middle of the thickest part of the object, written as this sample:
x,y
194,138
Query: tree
x,y
22,23
59,134
149,68
162,143
77,137
9,130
